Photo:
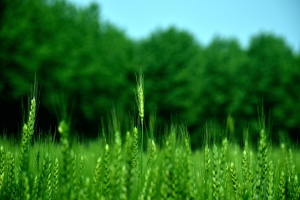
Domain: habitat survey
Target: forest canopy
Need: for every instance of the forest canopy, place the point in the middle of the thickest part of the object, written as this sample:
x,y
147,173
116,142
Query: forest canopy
x,y
93,64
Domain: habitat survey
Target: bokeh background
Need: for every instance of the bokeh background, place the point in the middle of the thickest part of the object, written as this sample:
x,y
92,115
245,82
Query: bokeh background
x,y
208,66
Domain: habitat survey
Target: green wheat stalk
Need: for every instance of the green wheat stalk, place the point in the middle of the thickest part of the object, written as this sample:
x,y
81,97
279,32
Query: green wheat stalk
x,y
190,171
136,163
270,187
153,172
24,187
234,179
75,179
207,183
107,174
118,163
2,165
97,178
27,133
55,182
11,177
63,129
140,98
262,166
140,103
218,190
35,188
282,186
130,183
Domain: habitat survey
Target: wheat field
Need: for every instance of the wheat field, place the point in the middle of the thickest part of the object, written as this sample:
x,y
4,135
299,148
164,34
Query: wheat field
x,y
130,165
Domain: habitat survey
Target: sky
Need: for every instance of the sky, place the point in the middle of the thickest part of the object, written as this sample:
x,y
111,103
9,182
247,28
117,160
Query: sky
x,y
205,19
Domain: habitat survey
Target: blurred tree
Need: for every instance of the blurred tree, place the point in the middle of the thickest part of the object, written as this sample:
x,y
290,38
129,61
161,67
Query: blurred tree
x,y
17,57
93,64
168,59
269,78
72,52
219,88
90,66
16,49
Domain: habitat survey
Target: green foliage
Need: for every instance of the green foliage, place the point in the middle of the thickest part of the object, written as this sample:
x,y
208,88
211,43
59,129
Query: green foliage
x,y
220,84
72,51
169,58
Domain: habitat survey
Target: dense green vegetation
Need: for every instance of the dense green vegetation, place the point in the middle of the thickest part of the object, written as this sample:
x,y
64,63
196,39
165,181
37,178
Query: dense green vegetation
x,y
91,63
209,97
117,167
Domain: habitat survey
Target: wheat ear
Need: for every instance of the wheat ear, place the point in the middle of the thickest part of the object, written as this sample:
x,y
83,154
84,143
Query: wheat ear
x,y
270,186
141,102
11,179
55,179
282,186
234,180
140,97
35,188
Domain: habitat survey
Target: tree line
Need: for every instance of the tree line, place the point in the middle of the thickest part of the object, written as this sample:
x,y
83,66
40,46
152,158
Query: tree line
x,y
92,64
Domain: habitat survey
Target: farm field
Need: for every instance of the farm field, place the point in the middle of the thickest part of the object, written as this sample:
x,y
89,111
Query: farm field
x,y
119,170
132,166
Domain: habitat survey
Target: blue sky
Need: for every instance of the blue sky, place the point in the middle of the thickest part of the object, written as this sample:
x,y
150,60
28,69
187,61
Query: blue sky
x,y
205,19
